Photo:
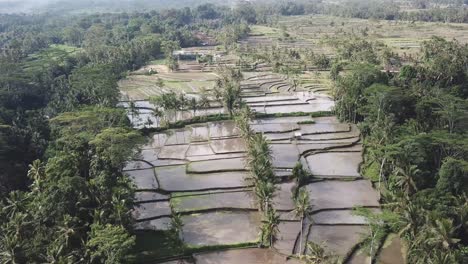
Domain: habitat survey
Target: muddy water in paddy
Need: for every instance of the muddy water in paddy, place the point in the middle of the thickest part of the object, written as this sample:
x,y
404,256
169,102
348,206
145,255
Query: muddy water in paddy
x,y
243,256
200,133
163,223
229,145
274,127
173,152
175,178
239,200
207,166
199,150
337,239
223,129
284,155
342,194
218,228
335,164
143,179
151,210
137,165
288,233
335,217
146,196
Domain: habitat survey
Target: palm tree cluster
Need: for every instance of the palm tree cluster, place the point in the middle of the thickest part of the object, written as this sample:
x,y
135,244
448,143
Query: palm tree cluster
x,y
415,148
167,105
227,89
259,162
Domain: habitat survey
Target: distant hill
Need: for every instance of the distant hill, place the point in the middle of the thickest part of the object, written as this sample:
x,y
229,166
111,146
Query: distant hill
x,y
92,6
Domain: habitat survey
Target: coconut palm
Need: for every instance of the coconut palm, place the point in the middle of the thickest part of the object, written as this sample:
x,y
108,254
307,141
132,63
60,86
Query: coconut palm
x,y
404,179
264,191
193,105
302,209
315,253
36,173
443,234
133,110
227,88
269,229
301,177
158,114
204,102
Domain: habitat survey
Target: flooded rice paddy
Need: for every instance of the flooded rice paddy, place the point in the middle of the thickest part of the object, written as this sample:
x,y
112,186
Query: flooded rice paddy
x,y
199,173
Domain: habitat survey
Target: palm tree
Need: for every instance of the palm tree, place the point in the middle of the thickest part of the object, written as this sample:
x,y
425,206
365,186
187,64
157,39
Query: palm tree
x,y
316,254
405,179
157,114
270,229
204,102
443,234
9,248
301,177
193,105
302,209
36,173
227,89
264,192
133,110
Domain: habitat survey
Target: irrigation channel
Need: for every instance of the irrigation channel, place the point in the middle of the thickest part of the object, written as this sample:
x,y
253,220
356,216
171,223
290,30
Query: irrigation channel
x,y
198,172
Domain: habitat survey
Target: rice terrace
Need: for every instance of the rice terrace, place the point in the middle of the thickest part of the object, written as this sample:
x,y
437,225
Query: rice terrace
x,y
258,131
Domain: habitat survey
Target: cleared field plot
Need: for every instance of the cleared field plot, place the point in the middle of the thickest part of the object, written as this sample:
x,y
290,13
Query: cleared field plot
x,y
175,178
342,194
335,164
220,228
400,35
141,87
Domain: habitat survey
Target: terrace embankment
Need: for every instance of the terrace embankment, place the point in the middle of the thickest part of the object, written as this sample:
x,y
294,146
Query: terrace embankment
x,y
197,175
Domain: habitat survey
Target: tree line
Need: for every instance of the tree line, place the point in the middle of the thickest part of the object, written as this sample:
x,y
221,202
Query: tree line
x,y
414,124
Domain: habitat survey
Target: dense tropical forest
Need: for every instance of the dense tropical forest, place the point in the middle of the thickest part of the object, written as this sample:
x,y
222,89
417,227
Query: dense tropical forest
x,y
65,140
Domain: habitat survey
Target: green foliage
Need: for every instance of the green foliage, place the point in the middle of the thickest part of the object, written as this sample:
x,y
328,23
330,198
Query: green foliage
x,y
109,244
350,88
227,89
453,176
415,147
95,85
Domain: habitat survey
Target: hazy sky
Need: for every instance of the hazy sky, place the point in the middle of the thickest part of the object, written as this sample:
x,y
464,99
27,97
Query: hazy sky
x,y
15,6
